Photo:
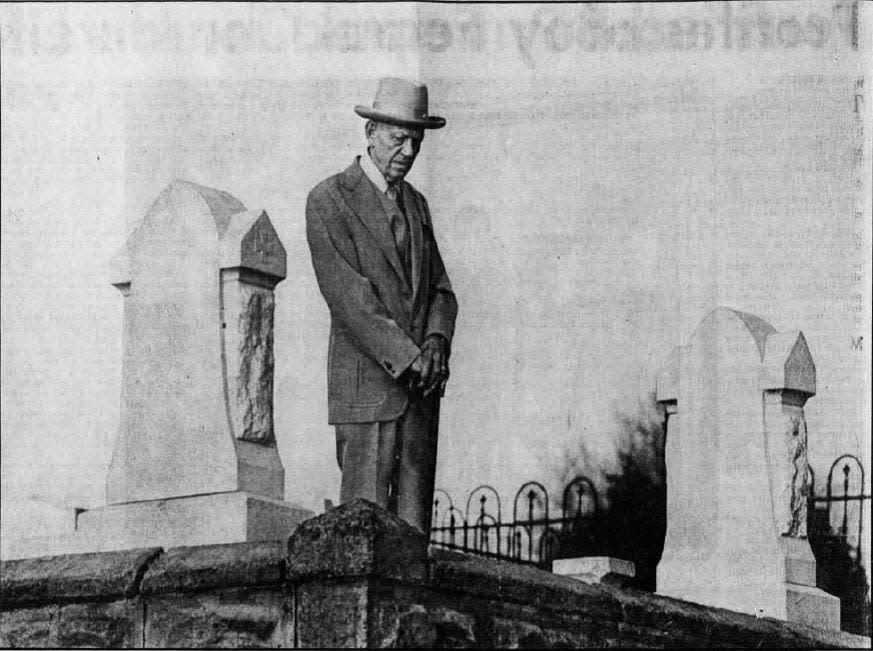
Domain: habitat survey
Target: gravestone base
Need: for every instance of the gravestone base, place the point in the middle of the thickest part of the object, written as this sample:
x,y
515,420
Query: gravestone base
x,y
794,599
215,518
813,606
790,602
195,520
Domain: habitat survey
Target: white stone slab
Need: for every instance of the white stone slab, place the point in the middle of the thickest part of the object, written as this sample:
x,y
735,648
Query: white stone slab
x,y
187,521
27,521
596,569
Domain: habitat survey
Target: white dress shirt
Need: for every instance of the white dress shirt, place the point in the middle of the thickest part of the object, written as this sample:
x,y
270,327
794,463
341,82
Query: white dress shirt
x,y
373,172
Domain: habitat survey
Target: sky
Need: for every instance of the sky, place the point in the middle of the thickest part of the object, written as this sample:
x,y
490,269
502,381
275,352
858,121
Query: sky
x,y
608,175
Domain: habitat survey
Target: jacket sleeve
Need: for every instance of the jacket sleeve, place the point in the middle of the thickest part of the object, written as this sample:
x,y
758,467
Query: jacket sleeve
x,y
349,295
443,305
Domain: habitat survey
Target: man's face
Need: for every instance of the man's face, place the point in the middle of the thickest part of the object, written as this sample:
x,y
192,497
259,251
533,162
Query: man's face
x,y
393,148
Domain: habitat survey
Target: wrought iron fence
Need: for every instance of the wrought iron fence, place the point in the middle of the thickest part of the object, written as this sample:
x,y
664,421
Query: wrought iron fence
x,y
533,536
836,527
840,515
536,536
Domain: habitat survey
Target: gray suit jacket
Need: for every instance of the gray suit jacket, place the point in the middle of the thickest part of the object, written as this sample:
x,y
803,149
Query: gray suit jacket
x,y
378,321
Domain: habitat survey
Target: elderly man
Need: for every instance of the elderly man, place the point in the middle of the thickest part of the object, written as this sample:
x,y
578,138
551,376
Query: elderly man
x,y
392,309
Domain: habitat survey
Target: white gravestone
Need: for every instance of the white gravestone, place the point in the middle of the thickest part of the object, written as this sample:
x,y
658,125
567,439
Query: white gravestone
x,y
196,460
737,471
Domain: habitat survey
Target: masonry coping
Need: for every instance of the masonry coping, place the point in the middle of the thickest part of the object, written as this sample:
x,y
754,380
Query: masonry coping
x,y
98,576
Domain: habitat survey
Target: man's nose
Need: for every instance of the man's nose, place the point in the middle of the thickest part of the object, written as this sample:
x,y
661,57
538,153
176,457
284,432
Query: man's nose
x,y
408,149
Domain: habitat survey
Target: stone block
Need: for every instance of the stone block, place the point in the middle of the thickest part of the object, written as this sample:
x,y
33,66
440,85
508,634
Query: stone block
x,y
232,596
433,627
332,615
27,521
234,618
196,520
812,606
596,569
28,627
342,567
513,634
799,561
115,625
207,567
356,539
485,578
75,577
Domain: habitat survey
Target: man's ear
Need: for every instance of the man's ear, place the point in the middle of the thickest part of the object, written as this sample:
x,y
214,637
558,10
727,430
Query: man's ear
x,y
369,128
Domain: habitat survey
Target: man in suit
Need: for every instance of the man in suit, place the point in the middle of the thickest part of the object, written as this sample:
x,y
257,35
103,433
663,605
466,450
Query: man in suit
x,y
392,309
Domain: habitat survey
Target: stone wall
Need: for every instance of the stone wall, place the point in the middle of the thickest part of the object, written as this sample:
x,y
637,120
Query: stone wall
x,y
353,577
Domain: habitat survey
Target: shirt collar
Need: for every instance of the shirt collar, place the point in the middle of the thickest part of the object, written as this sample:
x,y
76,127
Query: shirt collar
x,y
373,172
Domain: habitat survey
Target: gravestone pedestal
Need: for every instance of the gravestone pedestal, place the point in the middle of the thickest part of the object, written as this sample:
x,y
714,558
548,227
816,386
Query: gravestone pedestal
x,y
183,521
737,472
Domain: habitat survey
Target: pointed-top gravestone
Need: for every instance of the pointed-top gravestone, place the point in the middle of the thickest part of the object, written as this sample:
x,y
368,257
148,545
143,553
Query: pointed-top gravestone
x,y
736,458
198,276
196,460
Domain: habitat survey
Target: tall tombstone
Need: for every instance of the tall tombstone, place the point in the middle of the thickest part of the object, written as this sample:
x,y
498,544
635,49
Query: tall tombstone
x,y
737,471
196,460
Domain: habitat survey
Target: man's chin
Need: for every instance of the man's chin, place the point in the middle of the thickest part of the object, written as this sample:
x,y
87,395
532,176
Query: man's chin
x,y
394,176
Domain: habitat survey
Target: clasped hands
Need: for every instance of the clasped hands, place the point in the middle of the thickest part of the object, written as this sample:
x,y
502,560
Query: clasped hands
x,y
430,370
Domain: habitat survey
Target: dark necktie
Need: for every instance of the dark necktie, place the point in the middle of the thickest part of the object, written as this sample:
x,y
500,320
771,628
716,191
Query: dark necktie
x,y
400,227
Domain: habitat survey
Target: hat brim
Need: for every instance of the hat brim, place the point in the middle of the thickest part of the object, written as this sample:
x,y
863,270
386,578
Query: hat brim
x,y
430,122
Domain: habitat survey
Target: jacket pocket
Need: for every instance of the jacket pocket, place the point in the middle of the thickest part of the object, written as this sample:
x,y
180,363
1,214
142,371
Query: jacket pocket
x,y
371,387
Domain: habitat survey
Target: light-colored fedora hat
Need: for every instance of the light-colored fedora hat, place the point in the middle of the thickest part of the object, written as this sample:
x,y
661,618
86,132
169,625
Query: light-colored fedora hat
x,y
402,102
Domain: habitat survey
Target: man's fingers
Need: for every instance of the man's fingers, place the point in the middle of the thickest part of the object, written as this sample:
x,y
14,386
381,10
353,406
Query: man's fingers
x,y
424,379
413,373
436,374
440,371
440,385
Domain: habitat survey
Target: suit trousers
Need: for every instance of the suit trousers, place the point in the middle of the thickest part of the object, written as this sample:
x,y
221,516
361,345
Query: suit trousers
x,y
391,463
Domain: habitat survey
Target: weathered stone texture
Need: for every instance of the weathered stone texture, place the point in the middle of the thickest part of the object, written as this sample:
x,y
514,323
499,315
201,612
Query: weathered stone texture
x,y
357,539
112,625
185,569
419,627
512,634
28,627
331,615
102,625
73,577
520,584
350,586
219,596
242,617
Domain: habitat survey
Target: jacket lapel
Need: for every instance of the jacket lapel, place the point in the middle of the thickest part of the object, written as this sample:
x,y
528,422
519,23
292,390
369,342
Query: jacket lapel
x,y
362,199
